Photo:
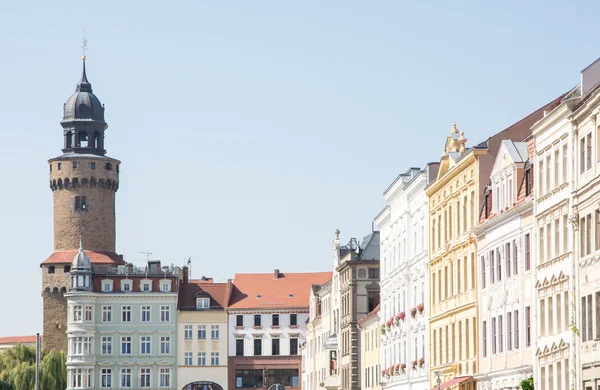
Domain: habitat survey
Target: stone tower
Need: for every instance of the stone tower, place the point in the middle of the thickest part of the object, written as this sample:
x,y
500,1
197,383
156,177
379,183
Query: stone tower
x,y
84,182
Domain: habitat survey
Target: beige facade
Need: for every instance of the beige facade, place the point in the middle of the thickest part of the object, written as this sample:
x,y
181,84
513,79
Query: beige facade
x,y
370,354
194,353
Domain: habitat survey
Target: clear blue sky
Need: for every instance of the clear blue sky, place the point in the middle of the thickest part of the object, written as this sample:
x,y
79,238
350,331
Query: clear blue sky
x,y
249,131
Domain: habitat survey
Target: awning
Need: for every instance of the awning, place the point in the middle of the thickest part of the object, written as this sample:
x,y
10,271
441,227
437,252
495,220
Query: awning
x,y
452,382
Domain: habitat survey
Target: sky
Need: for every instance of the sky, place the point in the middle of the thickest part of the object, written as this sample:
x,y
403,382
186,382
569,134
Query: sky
x,y
250,130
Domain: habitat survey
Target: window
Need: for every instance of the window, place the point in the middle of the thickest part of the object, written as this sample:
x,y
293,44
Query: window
x,y
582,155
509,333
597,231
556,237
82,378
106,345
257,347
214,358
589,151
275,320
144,377
145,313
77,313
500,334
127,286
146,287
374,273
187,332
516,327
88,313
528,182
126,377
201,332
92,165
125,313
239,320
107,287
542,317
597,314
493,335
257,320
565,233
274,347
145,345
499,264
165,345
81,345
59,166
165,377
125,345
239,347
483,338
214,332
527,252
507,256
540,176
165,287
492,268
51,269
187,359
293,346
165,313
81,203
108,166
106,378
202,358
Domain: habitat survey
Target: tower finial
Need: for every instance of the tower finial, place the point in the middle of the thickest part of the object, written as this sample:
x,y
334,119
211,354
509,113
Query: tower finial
x,y
84,46
80,244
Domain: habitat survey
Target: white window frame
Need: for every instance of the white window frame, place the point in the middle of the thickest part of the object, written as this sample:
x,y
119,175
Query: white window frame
x,y
88,314
106,313
214,358
187,358
125,381
143,372
165,377
202,328
125,341
165,345
145,345
126,309
145,313
106,345
214,332
77,313
202,359
188,332
202,303
106,378
165,313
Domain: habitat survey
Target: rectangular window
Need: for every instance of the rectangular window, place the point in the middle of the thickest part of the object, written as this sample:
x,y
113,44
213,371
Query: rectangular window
x,y
468,337
492,268
165,377
556,168
77,313
550,316
458,282
239,347
145,345
453,344
125,345
165,313
125,313
80,203
88,313
515,258
509,334
516,327
188,331
556,237
499,265
275,320
92,165
589,151
202,303
588,234
144,377
493,335
214,332
145,313
597,230
527,252
146,287
483,338
541,246
446,282
500,334
565,233
257,347
257,320
201,332
106,345
541,175
106,313
473,272
374,272
187,358
214,358
126,378
165,345
542,317
558,315
508,259
564,164
106,378
598,314
566,304
239,320
528,326
548,241
275,347
582,155
202,358
293,346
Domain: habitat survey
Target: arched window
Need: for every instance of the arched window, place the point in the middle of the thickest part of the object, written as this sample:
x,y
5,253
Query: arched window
x,y
202,385
69,140
83,139
96,144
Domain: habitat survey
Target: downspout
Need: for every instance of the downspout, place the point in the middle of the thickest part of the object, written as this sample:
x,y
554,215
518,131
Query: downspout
x,y
575,255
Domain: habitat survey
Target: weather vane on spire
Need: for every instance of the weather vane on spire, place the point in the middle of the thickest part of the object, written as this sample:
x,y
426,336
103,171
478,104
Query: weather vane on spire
x,y
84,46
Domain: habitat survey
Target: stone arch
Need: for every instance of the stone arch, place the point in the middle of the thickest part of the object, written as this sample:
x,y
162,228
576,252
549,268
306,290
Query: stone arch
x,y
69,139
63,290
55,290
59,184
202,385
84,182
101,183
75,182
93,182
47,290
54,184
83,139
51,186
96,140
67,183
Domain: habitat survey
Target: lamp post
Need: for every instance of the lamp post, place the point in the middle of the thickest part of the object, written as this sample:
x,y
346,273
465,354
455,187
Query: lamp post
x,y
438,375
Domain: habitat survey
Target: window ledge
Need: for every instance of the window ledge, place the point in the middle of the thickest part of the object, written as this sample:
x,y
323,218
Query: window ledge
x,y
239,327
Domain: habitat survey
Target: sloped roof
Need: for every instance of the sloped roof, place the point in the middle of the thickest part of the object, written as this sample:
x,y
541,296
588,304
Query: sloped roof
x,y
288,290
372,314
19,339
66,257
217,292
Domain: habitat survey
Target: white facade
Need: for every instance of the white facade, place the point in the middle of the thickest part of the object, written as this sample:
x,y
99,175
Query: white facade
x,y
505,287
554,266
403,226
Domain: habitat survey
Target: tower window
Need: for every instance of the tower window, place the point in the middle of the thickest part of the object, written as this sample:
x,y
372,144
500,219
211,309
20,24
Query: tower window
x,y
51,269
50,167
67,268
59,166
108,166
92,165
80,203
75,164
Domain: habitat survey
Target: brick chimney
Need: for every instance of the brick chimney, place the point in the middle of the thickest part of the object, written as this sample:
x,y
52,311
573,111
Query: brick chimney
x,y
276,274
186,274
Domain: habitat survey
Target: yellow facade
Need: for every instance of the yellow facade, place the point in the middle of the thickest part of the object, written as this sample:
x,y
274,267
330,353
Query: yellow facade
x,y
370,339
453,212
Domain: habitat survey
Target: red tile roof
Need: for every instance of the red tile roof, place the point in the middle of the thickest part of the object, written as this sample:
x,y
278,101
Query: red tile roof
x,y
289,290
372,314
18,339
218,292
66,257
452,382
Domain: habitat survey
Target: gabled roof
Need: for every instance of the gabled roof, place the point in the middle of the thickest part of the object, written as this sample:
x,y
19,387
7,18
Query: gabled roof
x,y
218,292
19,339
265,291
66,257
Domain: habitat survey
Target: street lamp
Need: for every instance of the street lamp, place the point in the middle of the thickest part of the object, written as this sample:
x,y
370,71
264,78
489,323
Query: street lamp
x,y
438,375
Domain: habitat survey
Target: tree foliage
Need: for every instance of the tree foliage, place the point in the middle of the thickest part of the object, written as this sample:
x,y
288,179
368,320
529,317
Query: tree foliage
x,y
527,384
17,369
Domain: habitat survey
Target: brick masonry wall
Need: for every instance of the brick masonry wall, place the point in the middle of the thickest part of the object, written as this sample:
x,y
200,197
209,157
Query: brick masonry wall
x,y
54,286
96,225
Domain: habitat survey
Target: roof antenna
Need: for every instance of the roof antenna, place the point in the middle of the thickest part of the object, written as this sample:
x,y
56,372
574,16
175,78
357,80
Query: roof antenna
x,y
189,264
148,254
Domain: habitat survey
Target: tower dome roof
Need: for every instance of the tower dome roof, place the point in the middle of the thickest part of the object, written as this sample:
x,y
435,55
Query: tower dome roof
x,y
81,261
83,105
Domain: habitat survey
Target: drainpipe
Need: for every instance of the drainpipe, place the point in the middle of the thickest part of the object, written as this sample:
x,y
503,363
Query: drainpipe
x,y
574,256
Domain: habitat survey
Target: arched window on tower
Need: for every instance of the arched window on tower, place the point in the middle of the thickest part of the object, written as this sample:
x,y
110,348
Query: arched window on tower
x,y
96,144
69,140
83,139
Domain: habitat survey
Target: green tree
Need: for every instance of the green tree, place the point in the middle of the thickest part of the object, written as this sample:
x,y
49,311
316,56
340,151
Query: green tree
x,y
527,384
17,369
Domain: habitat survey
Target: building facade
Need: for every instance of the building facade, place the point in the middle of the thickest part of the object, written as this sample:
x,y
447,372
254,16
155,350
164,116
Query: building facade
x,y
202,342
505,284
370,354
121,326
267,325
404,286
84,182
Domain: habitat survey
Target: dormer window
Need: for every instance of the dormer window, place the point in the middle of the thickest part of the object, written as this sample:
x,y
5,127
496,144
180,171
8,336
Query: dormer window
x,y
107,286
165,286
126,285
146,287
202,303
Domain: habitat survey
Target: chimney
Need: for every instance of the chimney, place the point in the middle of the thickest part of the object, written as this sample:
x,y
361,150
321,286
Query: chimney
x,y
186,274
276,274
